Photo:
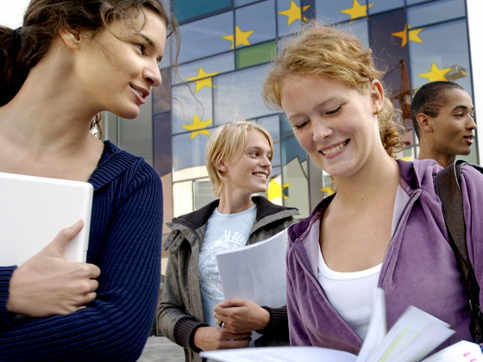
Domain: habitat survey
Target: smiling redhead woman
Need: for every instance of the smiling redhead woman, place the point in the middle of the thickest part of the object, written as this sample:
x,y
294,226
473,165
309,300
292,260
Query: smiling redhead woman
x,y
69,61
384,226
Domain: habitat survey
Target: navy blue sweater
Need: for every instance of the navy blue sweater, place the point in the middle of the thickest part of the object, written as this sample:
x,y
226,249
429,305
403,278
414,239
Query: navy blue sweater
x,y
125,242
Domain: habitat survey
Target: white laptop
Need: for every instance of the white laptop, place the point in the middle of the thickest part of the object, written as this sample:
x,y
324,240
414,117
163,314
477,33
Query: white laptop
x,y
34,209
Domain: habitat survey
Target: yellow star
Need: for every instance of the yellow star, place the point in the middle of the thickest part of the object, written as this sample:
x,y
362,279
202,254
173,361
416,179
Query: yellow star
x,y
435,74
328,190
293,13
202,80
275,190
241,37
413,35
357,10
197,125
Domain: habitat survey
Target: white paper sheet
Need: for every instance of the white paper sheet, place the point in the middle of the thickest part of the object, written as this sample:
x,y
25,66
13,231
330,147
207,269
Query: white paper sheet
x,y
280,354
256,272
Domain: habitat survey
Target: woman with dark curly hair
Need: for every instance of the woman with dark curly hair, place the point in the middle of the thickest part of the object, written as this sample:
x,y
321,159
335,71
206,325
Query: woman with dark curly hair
x,y
384,226
69,61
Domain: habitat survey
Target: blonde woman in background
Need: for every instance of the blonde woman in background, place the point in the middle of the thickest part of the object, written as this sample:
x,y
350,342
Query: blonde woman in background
x,y
192,310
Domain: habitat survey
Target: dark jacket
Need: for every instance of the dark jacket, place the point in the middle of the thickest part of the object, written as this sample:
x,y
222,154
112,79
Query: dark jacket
x,y
180,310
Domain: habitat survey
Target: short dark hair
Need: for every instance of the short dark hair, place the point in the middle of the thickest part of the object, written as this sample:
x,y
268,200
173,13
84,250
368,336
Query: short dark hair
x,y
429,99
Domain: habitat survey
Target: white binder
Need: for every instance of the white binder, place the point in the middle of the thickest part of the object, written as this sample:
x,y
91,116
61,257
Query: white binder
x,y
34,209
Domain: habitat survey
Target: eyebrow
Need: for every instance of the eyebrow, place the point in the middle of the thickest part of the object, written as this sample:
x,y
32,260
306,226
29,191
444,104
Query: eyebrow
x,y
462,108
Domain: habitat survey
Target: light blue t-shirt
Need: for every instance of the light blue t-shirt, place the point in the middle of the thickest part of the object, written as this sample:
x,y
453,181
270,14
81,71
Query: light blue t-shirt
x,y
224,232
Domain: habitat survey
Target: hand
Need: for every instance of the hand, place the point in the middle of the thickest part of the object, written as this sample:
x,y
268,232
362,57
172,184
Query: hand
x,y
241,316
47,284
211,338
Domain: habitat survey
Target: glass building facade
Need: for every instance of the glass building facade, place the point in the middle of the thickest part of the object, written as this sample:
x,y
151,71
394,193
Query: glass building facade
x,y
226,51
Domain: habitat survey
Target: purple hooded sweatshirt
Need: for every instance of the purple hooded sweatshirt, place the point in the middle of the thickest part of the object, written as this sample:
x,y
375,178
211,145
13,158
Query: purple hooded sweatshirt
x,y
419,267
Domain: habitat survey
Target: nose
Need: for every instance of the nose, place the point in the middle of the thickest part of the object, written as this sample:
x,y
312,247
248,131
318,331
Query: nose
x,y
320,130
152,74
265,161
470,124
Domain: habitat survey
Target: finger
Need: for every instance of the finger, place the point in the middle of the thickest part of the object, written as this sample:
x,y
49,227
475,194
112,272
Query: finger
x,y
226,334
85,299
92,271
235,344
232,302
62,239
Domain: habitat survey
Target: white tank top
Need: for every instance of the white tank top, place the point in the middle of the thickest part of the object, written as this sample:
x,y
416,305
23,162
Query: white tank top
x,y
350,293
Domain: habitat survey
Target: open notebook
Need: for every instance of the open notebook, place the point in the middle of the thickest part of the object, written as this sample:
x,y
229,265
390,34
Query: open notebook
x,y
34,209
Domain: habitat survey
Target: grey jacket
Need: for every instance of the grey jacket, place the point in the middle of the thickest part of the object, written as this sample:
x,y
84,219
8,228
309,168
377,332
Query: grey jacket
x,y
180,310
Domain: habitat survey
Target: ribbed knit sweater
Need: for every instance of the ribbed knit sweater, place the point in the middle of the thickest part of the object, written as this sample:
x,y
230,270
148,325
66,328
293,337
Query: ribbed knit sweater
x,y
125,242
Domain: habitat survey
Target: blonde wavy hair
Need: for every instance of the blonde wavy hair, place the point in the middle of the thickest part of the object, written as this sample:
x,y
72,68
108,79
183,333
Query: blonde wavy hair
x,y
327,52
227,143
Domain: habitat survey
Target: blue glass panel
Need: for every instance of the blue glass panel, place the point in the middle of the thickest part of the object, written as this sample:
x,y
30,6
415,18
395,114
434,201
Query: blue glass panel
x,y
205,37
258,18
410,2
243,2
185,10
383,5
442,55
218,64
191,110
435,11
290,16
238,95
329,12
162,155
286,129
389,38
272,126
357,28
189,152
162,94
291,150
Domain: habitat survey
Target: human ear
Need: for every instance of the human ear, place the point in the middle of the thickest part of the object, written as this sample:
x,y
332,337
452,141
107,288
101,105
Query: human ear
x,y
221,168
425,122
377,95
70,37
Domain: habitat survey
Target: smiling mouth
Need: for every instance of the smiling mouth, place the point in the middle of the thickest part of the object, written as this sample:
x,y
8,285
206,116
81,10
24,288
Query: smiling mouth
x,y
141,93
332,150
261,174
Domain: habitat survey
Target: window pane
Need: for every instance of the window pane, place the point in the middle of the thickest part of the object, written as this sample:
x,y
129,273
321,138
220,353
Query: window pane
x,y
182,198
188,151
357,28
243,2
271,125
442,55
410,2
191,110
329,12
290,16
435,12
203,192
238,95
209,67
389,43
258,19
295,178
256,54
205,37
383,5
185,10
